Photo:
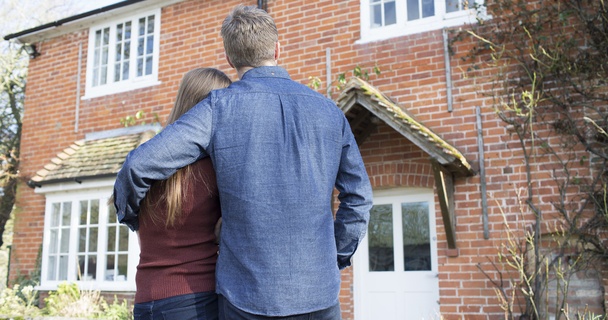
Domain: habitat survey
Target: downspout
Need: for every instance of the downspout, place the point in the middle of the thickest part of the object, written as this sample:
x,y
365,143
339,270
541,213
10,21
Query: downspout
x,y
482,175
8,267
262,4
77,115
448,69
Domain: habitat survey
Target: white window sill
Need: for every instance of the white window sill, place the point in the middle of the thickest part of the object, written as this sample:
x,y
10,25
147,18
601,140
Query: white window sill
x,y
117,88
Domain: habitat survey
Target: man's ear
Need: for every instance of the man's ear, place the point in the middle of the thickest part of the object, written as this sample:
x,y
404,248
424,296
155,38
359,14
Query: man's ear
x,y
277,51
228,60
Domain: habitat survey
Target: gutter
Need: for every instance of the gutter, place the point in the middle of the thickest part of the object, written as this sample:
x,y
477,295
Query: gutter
x,y
37,184
71,19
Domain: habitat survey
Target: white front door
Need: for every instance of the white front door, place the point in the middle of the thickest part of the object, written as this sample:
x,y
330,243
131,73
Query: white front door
x,y
395,266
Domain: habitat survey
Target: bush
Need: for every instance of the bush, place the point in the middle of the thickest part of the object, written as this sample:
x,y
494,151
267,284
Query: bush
x,y
19,302
68,301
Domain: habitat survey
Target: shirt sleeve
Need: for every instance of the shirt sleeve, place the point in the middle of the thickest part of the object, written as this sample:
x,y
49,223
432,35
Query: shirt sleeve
x,y
176,146
355,196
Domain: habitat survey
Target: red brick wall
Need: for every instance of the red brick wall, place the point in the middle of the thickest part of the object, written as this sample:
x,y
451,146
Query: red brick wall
x,y
413,75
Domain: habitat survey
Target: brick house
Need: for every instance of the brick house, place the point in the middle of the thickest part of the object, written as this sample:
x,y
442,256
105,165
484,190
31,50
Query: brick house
x,y
415,124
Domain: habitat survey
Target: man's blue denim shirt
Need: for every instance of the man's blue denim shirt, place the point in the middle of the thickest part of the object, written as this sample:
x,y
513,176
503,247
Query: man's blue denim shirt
x,y
279,149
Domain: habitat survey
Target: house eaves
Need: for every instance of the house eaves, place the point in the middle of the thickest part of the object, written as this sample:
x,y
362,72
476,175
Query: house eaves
x,y
364,104
85,20
89,159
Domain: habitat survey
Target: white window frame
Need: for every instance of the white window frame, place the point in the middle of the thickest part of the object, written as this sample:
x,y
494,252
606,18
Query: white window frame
x,y
73,192
134,82
402,27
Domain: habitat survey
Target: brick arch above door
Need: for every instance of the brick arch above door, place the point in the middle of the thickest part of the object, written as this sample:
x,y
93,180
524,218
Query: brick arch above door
x,y
398,175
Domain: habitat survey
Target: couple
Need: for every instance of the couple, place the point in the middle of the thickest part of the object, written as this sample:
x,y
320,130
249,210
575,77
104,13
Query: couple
x,y
277,149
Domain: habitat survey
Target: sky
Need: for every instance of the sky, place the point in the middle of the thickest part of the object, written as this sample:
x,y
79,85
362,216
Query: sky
x,y
26,14
89,5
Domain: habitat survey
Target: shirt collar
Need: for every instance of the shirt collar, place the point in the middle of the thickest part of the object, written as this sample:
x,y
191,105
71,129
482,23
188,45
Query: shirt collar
x,y
265,72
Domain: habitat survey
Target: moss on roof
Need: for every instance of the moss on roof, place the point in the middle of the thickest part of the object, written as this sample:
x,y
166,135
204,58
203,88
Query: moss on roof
x,y
400,114
90,158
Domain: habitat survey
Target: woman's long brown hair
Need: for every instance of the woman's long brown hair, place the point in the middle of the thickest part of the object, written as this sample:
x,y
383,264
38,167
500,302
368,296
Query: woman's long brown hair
x,y
195,86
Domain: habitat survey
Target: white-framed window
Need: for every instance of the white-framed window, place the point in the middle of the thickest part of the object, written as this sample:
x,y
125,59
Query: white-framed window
x,y
123,54
84,243
383,19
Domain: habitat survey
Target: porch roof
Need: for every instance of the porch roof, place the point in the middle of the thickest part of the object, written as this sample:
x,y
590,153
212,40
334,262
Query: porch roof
x,y
363,105
93,158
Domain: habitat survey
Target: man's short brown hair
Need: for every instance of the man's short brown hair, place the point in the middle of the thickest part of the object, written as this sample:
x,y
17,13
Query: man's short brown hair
x,y
250,35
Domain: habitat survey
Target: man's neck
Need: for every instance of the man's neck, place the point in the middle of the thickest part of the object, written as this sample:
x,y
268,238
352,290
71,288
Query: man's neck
x,y
241,71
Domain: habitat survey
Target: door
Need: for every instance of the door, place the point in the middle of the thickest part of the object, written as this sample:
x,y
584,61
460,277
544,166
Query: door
x,y
395,266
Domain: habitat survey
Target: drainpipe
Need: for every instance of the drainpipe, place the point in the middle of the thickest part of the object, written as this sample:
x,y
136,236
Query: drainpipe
x,y
448,69
77,115
482,175
262,4
8,266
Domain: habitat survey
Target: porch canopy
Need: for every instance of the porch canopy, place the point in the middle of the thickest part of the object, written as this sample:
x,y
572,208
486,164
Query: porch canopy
x,y
364,105
97,156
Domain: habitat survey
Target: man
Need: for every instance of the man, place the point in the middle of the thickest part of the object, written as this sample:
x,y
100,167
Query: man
x,y
278,149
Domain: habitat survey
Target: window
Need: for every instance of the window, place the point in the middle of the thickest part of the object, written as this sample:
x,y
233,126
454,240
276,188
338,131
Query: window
x,y
84,243
123,55
383,19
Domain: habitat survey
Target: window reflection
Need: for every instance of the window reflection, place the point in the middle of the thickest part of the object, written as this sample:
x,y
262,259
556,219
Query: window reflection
x,y
380,238
416,236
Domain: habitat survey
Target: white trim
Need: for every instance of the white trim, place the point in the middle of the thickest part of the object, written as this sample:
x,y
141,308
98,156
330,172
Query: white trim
x,y
75,187
403,27
96,190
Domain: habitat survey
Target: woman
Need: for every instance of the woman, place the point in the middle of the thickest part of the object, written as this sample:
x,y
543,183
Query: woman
x,y
176,272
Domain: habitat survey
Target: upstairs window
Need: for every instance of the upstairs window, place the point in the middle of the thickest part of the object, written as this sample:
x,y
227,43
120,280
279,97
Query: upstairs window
x,y
123,55
383,19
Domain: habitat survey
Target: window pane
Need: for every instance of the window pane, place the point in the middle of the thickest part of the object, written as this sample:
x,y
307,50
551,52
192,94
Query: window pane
x,y
140,67
428,8
52,268
149,44
81,267
127,31
122,267
65,240
110,272
66,213
142,26
375,16
94,214
451,5
111,238
104,75
82,240
54,241
93,239
148,65
87,267
117,72
111,214
123,241
390,13
63,268
150,24
413,8
416,236
91,273
55,214
380,238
